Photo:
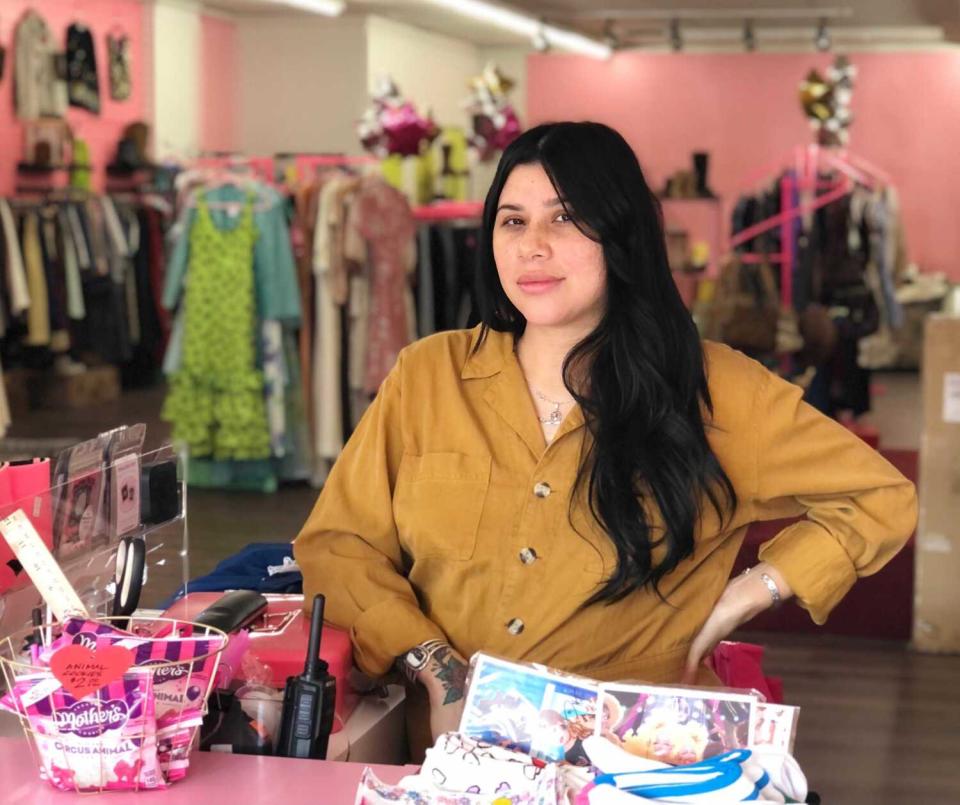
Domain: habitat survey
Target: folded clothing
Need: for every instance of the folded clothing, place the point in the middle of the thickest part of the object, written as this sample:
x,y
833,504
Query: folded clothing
x,y
459,770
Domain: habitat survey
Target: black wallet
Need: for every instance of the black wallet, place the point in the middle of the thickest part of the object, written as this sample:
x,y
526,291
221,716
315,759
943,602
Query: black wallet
x,y
233,610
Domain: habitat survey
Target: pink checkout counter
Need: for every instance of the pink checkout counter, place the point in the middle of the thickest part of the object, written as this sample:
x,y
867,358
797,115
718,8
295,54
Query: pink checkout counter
x,y
374,733
214,778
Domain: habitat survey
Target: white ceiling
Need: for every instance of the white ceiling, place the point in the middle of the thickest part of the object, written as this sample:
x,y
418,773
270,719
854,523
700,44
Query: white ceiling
x,y
644,22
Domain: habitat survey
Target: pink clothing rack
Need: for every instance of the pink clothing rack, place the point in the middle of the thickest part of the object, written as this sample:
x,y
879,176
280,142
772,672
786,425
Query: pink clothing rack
x,y
261,167
440,211
808,163
306,164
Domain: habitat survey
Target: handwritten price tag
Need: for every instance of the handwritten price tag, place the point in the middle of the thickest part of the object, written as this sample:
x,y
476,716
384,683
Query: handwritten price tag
x,y
83,671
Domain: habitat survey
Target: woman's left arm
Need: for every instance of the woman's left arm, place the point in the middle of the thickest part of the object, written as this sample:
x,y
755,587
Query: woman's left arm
x,y
859,512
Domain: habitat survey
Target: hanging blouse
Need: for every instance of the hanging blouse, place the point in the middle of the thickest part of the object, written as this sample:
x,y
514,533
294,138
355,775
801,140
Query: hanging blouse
x,y
18,297
82,82
120,72
39,76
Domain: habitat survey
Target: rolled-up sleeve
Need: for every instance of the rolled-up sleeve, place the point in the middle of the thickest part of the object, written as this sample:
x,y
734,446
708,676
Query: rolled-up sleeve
x,y
858,510
348,549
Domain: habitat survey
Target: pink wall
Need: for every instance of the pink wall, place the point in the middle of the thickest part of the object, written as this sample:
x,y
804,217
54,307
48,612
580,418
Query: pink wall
x,y
218,91
743,109
100,131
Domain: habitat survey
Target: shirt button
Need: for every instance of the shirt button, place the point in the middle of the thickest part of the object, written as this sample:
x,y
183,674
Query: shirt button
x,y
515,626
528,556
542,490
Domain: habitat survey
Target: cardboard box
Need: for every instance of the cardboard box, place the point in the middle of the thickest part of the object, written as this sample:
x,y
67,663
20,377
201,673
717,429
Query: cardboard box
x,y
98,384
936,610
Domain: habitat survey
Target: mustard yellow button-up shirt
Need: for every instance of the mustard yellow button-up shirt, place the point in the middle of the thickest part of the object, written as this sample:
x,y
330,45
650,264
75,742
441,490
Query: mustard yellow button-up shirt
x,y
447,516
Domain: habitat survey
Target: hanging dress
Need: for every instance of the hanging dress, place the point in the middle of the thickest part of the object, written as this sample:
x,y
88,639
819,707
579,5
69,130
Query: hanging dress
x,y
216,397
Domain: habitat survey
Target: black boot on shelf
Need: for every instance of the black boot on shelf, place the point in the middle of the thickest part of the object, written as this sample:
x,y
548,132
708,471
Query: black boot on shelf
x,y
701,163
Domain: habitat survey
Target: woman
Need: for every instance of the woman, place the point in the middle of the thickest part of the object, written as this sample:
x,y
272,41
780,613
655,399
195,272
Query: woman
x,y
570,482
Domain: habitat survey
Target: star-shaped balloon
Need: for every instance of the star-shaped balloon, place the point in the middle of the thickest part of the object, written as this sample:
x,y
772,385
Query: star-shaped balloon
x,y
392,125
495,122
826,101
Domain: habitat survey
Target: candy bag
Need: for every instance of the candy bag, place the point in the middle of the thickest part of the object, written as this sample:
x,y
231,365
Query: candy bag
x,y
103,742
180,687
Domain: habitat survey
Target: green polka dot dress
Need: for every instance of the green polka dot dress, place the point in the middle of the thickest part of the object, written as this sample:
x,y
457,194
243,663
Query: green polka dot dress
x,y
216,401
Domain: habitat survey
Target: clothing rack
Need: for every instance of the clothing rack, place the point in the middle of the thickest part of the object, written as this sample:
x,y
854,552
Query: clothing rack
x,y
465,213
246,174
307,162
263,168
446,257
90,266
809,164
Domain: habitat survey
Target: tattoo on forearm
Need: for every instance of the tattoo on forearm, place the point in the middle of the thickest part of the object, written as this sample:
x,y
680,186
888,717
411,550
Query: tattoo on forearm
x,y
451,673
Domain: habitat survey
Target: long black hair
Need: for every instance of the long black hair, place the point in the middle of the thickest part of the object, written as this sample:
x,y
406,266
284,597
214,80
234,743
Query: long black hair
x,y
639,377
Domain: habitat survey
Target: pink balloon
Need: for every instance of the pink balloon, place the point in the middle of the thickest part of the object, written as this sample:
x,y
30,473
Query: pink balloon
x,y
406,129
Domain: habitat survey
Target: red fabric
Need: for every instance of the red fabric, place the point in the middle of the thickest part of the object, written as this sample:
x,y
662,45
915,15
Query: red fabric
x,y
740,665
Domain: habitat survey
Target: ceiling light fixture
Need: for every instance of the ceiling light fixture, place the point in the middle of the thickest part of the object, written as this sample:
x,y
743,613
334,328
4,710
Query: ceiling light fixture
x,y
822,39
527,26
749,36
328,8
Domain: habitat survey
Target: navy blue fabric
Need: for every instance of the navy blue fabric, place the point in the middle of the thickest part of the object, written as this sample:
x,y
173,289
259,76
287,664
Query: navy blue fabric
x,y
247,570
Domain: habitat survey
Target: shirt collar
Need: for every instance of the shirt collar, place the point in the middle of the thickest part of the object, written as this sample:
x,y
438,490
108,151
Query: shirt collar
x,y
508,394
491,357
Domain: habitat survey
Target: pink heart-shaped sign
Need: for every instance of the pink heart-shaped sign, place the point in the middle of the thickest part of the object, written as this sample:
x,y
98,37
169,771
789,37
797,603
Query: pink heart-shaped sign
x,y
82,671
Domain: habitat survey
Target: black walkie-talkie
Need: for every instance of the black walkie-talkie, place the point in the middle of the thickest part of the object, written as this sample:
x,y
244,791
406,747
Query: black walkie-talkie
x,y
308,700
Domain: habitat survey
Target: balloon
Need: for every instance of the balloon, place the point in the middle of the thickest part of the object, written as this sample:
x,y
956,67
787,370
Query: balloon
x,y
826,101
495,122
392,125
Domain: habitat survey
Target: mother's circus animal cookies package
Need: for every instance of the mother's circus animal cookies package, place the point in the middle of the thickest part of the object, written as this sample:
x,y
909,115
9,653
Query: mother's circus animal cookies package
x,y
179,685
103,742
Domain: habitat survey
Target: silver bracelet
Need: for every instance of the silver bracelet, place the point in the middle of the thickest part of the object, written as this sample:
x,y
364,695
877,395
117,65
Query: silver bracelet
x,y
424,653
771,586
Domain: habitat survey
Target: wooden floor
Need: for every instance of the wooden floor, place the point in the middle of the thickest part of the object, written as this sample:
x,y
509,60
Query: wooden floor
x,y
879,724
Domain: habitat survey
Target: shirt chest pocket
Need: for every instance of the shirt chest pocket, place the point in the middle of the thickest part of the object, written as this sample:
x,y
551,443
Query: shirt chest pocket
x,y
437,504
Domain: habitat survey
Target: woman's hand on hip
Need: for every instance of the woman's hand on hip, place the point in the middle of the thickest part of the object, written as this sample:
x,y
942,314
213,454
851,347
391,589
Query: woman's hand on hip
x,y
445,679
744,597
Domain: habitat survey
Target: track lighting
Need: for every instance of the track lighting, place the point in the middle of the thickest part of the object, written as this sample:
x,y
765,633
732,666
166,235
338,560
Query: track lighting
x,y
749,37
542,34
328,8
676,41
610,38
539,41
822,39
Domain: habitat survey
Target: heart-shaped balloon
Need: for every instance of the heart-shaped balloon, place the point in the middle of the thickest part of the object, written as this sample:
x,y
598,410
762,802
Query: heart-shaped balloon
x,y
82,671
